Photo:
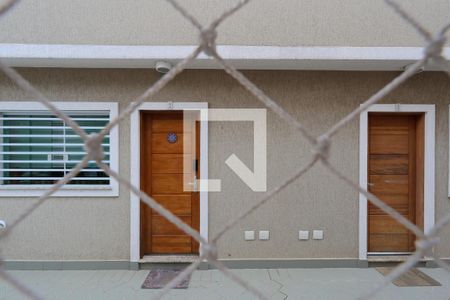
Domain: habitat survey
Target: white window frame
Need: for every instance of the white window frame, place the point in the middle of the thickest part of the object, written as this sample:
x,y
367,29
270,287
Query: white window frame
x,y
69,190
429,164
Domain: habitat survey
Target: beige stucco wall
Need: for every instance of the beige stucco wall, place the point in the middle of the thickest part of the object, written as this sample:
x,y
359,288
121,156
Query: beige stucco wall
x,y
98,229
262,22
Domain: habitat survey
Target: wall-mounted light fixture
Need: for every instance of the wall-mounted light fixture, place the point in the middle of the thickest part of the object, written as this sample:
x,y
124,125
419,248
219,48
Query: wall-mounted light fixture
x,y
163,66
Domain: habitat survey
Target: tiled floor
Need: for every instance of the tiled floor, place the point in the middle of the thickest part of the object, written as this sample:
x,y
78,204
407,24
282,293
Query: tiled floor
x,y
211,284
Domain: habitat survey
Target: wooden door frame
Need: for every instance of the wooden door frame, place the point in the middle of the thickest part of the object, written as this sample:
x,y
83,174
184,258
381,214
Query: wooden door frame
x,y
135,138
429,164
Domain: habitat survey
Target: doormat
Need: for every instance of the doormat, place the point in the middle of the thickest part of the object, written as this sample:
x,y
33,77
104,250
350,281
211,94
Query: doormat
x,y
158,278
412,277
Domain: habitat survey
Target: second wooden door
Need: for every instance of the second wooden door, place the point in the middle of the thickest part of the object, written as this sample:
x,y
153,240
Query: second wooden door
x,y
395,176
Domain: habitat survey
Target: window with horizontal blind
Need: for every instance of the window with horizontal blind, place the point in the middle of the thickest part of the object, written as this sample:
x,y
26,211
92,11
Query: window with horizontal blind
x,y
38,148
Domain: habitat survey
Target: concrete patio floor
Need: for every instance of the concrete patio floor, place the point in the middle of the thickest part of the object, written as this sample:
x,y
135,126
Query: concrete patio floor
x,y
211,284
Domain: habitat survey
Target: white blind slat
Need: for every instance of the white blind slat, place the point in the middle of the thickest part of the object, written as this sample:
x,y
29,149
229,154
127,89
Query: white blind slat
x,y
49,127
44,135
50,170
47,161
45,153
51,119
55,178
49,144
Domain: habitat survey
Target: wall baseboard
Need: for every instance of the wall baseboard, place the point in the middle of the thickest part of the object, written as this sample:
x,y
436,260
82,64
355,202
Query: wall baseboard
x,y
433,264
230,263
70,265
288,263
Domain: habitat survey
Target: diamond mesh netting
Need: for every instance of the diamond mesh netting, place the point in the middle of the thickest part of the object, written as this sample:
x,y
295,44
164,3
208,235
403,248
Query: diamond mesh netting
x,y
320,145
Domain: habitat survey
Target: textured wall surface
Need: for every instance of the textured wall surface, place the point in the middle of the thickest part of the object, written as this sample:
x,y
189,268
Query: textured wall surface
x,y
98,229
262,22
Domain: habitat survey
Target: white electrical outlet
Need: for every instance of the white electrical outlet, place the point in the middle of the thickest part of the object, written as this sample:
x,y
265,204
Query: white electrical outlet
x,y
264,235
318,234
303,235
249,235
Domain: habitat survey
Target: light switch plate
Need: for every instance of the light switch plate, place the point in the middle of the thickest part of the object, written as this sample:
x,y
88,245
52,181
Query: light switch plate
x,y
318,234
303,235
249,235
264,235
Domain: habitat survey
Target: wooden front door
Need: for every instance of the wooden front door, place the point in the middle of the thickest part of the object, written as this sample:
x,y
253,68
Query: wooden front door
x,y
395,175
163,156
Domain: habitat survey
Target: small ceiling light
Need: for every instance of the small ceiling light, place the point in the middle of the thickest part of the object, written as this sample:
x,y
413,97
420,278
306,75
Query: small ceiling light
x,y
163,66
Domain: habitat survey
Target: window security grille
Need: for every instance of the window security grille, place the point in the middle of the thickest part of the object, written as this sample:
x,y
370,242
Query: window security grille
x,y
38,148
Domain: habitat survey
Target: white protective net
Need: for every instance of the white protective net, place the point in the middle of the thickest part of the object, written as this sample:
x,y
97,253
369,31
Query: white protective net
x,y
425,243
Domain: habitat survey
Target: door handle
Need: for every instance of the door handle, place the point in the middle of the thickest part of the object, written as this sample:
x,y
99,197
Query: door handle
x,y
194,184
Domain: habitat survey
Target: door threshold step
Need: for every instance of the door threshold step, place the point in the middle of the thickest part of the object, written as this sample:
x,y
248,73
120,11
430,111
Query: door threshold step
x,y
391,258
169,259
